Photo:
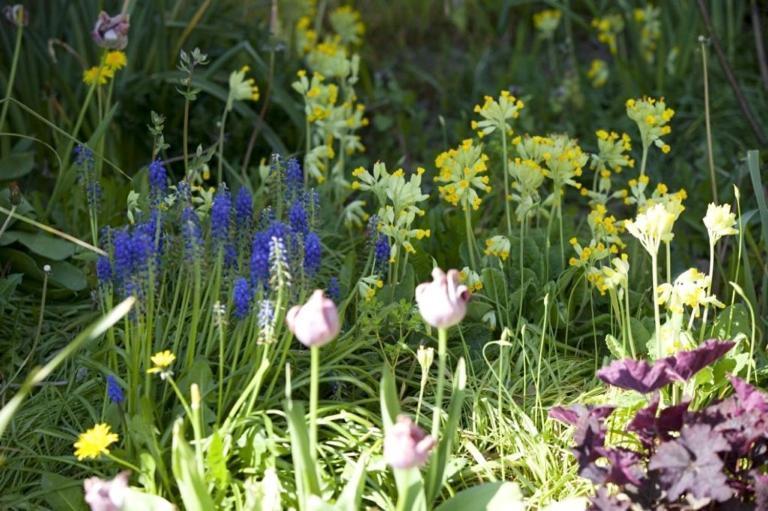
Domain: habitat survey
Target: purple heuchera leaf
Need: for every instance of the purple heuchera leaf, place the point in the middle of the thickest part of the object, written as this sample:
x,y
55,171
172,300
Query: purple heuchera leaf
x,y
644,422
623,468
689,465
571,415
644,377
760,485
603,500
685,364
636,375
589,436
749,397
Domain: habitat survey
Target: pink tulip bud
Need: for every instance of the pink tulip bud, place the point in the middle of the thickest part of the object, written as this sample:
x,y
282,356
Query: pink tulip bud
x,y
406,445
316,322
103,495
111,31
442,302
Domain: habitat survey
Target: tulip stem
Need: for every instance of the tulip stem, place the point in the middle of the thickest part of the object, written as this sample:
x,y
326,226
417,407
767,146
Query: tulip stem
x,y
313,388
442,348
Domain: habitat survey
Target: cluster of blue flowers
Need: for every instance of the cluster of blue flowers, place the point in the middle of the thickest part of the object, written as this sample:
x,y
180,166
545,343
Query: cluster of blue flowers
x,y
249,246
87,177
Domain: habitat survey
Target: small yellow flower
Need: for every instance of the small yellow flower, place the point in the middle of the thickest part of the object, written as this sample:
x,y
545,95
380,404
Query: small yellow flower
x,y
162,361
94,442
97,75
115,60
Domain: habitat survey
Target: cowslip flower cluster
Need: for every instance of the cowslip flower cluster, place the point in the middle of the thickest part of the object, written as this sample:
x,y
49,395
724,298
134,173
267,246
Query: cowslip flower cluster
x,y
498,246
347,24
94,442
496,113
608,27
652,227
112,62
719,222
648,18
652,117
527,178
690,289
241,88
461,170
598,73
471,279
547,21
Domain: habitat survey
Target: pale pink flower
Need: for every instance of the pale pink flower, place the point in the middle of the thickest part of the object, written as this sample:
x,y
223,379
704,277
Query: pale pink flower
x,y
316,322
111,31
406,445
103,495
442,302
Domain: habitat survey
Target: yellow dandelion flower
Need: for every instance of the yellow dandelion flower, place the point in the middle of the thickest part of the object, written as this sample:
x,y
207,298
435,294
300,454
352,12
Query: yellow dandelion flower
x,y
115,60
162,361
94,442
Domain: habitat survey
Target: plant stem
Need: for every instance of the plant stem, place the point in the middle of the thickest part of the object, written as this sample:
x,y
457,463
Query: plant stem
x,y
314,376
221,143
12,76
709,289
470,238
442,349
506,181
656,317
644,158
707,121
7,220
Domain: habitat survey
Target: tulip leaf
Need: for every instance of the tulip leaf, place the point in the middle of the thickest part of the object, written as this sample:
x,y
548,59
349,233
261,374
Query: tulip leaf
x,y
495,496
191,482
305,470
410,485
440,457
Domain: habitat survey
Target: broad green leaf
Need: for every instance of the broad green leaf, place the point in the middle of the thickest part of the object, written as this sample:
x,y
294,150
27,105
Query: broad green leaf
x,y
45,245
495,496
191,483
68,276
62,493
16,165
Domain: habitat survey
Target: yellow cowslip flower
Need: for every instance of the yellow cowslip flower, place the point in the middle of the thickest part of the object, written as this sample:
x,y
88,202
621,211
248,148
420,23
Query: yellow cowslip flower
x,y
471,279
367,287
496,113
98,75
461,170
115,60
650,30
347,24
498,246
689,290
652,227
306,37
719,222
94,442
613,153
598,73
652,118
241,88
162,361
608,27
547,21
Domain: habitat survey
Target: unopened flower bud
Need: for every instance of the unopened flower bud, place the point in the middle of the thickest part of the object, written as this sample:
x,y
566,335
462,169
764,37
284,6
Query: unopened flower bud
x,y
103,495
111,31
16,14
406,445
316,322
442,302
